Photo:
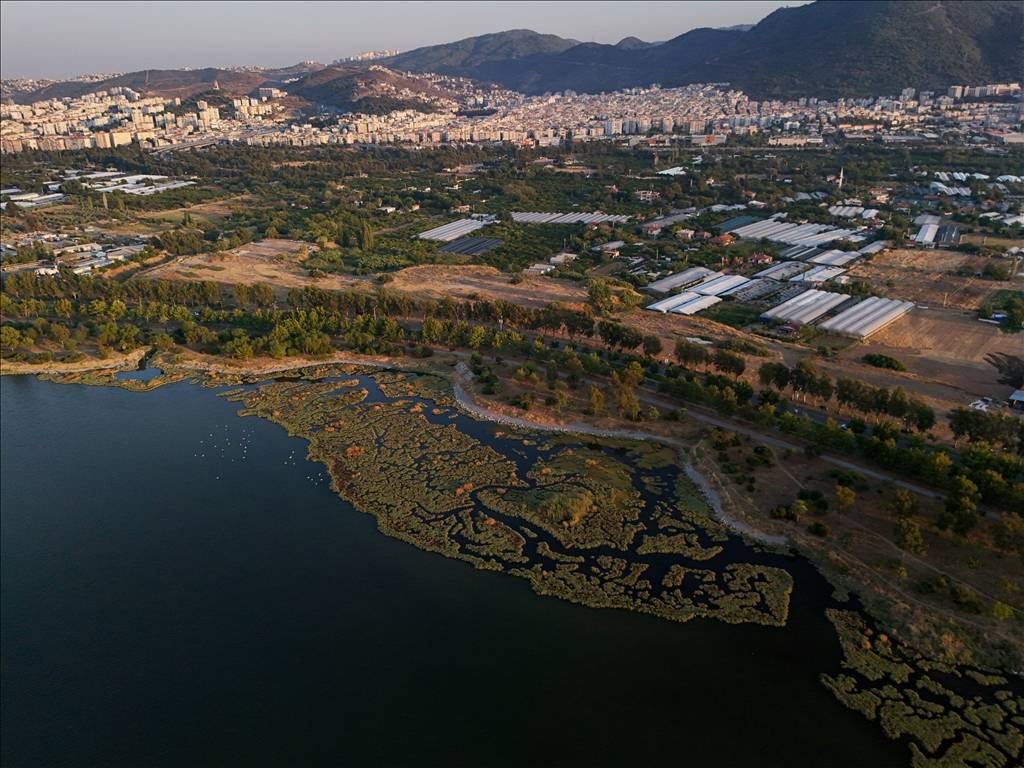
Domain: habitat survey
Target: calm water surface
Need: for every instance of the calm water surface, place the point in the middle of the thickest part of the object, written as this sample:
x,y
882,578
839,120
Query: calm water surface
x,y
181,588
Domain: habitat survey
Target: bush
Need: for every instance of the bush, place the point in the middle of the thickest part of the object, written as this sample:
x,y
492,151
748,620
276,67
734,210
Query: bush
x,y
883,361
818,529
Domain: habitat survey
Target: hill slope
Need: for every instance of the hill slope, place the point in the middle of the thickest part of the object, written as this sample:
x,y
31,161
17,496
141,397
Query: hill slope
x,y
350,88
360,89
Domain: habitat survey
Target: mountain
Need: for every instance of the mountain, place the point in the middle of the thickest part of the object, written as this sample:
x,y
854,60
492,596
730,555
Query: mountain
x,y
864,48
595,67
825,49
463,56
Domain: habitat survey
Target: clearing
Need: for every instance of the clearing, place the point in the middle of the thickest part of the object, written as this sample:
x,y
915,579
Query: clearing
x,y
277,262
467,281
926,277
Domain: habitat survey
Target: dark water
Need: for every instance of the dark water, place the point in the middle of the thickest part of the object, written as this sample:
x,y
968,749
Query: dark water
x,y
180,588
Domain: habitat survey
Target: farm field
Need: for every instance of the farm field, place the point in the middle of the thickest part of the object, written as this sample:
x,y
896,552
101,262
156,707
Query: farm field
x,y
924,277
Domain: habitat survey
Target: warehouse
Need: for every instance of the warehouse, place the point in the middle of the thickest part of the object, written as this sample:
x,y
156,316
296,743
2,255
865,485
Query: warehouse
x,y
720,286
872,248
926,235
446,233
818,275
807,307
683,279
794,234
671,302
799,253
695,305
867,317
783,271
834,258
755,289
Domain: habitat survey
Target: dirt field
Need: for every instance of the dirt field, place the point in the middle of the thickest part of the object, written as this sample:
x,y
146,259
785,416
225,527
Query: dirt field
x,y
464,281
947,349
268,261
923,276
993,242
947,336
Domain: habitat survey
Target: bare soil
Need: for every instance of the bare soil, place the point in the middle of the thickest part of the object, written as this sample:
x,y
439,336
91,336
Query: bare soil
x,y
277,262
466,281
926,277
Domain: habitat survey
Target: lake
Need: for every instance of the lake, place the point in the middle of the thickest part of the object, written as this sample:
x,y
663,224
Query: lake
x,y
181,587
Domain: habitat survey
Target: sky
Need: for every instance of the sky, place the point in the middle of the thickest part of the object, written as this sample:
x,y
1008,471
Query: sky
x,y
63,39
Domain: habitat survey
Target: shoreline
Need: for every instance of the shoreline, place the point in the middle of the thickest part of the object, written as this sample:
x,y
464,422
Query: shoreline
x,y
464,400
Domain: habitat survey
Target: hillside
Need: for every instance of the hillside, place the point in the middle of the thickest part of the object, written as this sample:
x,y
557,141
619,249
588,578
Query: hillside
x,y
169,83
371,90
350,88
826,49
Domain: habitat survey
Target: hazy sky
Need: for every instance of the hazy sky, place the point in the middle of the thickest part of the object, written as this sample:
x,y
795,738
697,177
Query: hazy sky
x,y
63,39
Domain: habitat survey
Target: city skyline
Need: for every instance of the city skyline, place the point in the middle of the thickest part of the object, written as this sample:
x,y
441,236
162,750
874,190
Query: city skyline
x,y
169,37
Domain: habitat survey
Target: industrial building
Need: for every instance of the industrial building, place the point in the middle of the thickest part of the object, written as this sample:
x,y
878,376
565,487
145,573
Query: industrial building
x,y
807,307
867,317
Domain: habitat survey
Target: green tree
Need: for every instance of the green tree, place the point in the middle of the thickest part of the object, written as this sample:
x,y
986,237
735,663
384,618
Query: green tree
x,y
652,345
908,537
595,405
903,504
845,497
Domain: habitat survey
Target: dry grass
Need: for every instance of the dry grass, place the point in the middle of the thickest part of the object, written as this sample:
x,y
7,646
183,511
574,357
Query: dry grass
x,y
466,281
926,277
277,262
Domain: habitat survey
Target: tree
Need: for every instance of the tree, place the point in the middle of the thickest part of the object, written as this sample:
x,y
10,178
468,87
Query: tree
x,y
903,504
652,345
1008,532
366,237
961,512
797,510
909,538
595,406
845,497
689,353
551,374
600,294
729,362
773,375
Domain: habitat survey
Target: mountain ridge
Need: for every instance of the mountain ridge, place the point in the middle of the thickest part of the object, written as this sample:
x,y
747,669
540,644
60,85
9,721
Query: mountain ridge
x,y
827,48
